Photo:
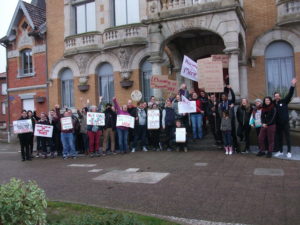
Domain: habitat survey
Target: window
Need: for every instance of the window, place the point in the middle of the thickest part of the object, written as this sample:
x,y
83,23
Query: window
x,y
67,88
146,73
279,60
126,12
28,104
27,66
85,18
4,88
3,107
293,7
106,82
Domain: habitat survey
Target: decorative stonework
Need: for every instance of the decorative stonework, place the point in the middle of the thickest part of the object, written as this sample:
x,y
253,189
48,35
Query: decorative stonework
x,y
13,54
39,49
82,60
123,57
25,40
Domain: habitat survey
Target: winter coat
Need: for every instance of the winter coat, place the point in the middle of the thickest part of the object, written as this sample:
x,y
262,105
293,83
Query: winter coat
x,y
282,108
268,115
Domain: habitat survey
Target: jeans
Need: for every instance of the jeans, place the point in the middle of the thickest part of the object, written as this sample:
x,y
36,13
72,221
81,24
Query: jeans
x,y
197,120
227,138
123,139
170,135
94,140
67,140
140,134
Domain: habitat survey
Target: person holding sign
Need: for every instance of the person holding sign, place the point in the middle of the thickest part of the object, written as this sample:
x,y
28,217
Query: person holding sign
x,y
122,131
181,137
43,140
154,121
140,127
24,140
168,123
109,128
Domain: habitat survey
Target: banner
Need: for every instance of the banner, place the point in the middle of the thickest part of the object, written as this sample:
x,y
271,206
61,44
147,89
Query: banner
x,y
66,123
22,126
210,75
153,119
172,86
125,121
42,130
223,58
95,119
186,106
180,135
189,69
162,82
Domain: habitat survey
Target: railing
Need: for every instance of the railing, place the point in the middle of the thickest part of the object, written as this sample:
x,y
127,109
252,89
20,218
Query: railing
x,y
121,33
82,41
292,7
288,11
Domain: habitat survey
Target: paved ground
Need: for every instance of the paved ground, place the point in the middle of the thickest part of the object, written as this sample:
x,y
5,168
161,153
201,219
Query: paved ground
x,y
201,185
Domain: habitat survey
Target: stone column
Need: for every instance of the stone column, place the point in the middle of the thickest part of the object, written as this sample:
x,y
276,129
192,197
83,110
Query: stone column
x,y
234,76
243,80
156,70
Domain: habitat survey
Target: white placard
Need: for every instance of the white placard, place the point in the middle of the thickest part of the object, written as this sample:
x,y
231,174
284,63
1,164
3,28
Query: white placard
x,y
153,119
95,119
180,135
186,106
42,130
66,123
125,121
189,69
22,126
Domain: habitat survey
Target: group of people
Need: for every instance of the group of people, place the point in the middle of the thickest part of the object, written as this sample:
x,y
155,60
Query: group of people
x,y
228,123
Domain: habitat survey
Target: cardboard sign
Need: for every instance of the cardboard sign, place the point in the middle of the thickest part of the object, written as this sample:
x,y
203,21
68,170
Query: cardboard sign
x,y
153,119
172,86
22,126
180,135
223,58
43,130
66,123
125,121
159,82
186,106
189,69
210,76
95,119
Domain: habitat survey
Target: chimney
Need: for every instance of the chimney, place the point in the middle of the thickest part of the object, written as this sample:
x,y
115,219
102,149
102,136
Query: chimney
x,y
39,3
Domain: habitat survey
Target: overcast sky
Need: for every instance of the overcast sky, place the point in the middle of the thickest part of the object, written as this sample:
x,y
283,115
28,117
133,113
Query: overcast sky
x,y
7,10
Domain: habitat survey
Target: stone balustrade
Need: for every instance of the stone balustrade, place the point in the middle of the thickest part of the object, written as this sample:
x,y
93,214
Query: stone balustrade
x,y
120,33
288,11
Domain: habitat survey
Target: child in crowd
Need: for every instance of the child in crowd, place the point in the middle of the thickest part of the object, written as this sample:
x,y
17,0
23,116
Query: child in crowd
x,y
181,145
226,131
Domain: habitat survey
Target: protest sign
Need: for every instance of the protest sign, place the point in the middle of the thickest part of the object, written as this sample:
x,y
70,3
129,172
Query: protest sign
x,y
153,119
211,75
180,135
223,58
95,119
42,130
66,123
125,121
22,126
172,86
186,106
158,81
189,69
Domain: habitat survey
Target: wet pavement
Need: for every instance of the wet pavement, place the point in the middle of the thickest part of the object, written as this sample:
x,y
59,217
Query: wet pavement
x,y
197,185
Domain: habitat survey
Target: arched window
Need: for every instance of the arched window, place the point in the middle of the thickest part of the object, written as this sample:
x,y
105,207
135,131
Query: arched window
x,y
280,68
146,73
67,88
126,12
27,66
106,82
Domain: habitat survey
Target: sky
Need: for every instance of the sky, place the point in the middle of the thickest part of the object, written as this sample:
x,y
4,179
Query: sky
x,y
7,10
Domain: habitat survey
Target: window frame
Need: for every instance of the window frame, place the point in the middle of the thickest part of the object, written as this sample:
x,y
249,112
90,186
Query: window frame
x,y
31,69
67,86
142,80
85,15
109,78
2,89
126,12
3,106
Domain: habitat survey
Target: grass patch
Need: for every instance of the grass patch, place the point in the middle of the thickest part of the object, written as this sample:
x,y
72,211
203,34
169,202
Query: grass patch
x,y
61,213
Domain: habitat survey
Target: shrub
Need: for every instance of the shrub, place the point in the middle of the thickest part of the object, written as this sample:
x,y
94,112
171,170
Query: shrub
x,y
22,203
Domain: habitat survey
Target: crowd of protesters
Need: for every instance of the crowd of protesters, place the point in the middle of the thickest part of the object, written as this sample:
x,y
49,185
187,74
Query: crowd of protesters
x,y
229,125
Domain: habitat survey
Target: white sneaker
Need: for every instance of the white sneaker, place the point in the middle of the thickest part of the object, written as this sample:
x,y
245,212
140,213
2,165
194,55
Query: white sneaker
x,y
226,153
230,152
289,155
279,154
133,150
145,149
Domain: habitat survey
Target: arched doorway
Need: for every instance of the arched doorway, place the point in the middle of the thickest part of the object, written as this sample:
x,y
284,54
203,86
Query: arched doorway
x,y
196,44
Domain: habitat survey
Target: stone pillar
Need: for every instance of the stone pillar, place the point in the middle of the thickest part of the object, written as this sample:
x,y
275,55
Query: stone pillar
x,y
156,70
234,76
243,80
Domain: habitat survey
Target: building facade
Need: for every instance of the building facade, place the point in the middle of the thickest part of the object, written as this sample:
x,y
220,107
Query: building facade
x,y
26,59
3,102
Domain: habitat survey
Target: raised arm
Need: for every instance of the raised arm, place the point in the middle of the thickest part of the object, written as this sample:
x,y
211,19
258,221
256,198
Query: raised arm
x,y
289,96
116,104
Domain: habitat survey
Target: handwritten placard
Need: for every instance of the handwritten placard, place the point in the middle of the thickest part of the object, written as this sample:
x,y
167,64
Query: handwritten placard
x,y
180,135
223,58
95,119
125,121
189,69
159,82
153,119
22,126
42,130
186,106
66,123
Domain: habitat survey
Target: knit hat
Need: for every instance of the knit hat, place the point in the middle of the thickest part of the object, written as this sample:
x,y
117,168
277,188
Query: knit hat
x,y
258,100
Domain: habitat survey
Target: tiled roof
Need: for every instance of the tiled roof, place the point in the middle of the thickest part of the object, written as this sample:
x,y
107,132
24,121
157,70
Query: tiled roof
x,y
38,15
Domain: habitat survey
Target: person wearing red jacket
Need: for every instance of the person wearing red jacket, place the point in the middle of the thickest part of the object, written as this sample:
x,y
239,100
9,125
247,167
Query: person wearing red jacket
x,y
197,118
